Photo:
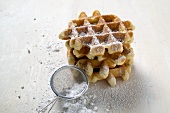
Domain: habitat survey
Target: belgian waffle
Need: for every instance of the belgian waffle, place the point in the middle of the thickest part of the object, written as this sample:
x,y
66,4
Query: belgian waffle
x,y
100,42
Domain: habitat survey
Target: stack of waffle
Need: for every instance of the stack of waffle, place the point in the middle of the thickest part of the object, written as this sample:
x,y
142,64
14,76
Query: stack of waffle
x,y
100,45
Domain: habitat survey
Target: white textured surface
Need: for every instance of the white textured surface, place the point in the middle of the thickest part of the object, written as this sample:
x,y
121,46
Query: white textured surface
x,y
34,25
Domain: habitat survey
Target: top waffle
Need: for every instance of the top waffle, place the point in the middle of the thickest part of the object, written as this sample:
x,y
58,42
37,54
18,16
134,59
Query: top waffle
x,y
90,36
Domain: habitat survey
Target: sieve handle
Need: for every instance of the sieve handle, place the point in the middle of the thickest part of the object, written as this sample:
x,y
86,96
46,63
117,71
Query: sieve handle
x,y
52,102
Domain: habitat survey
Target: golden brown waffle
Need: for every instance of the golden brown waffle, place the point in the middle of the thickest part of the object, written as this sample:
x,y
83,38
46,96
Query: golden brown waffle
x,y
111,67
102,43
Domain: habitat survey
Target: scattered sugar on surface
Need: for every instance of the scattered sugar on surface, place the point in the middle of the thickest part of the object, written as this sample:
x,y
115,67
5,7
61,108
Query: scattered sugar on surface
x,y
126,95
76,89
84,104
45,101
54,46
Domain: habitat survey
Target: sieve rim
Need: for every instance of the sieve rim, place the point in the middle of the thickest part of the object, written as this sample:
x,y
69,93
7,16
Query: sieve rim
x,y
74,67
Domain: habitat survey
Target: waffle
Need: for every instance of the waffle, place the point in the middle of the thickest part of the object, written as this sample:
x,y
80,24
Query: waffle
x,y
101,45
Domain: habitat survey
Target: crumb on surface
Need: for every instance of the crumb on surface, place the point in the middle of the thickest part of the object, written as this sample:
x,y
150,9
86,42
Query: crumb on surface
x,y
57,50
19,97
29,51
34,18
22,87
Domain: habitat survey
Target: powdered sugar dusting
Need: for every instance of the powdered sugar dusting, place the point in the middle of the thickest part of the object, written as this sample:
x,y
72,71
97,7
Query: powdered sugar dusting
x,y
74,32
54,46
84,104
95,41
76,89
91,32
82,34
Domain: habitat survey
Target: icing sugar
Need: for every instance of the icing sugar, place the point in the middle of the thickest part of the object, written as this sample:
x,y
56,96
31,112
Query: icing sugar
x,y
76,89
84,104
91,31
82,34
